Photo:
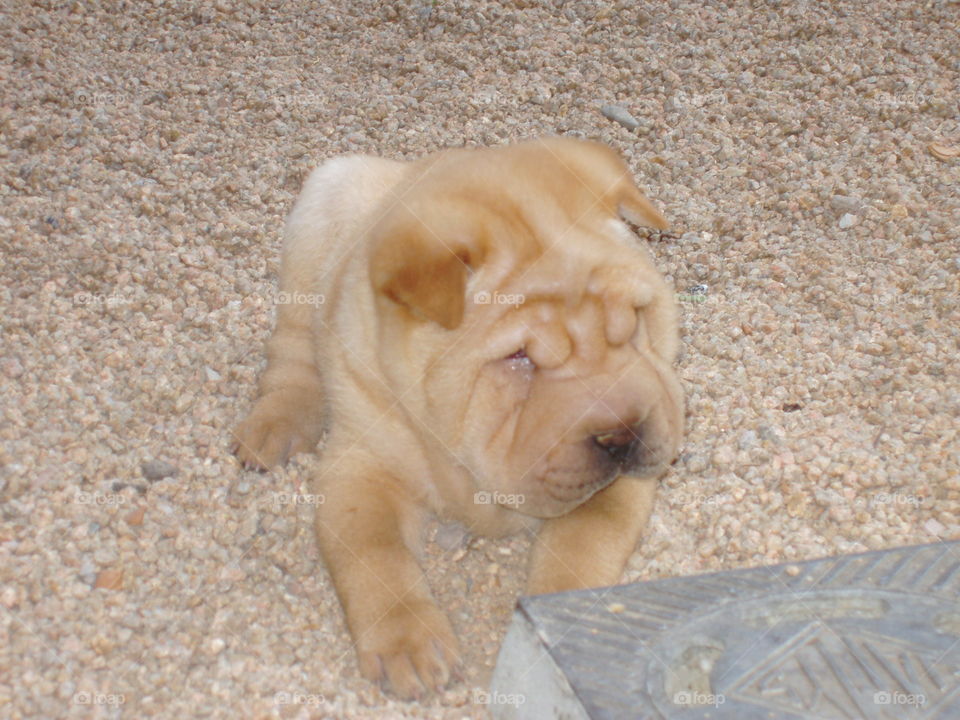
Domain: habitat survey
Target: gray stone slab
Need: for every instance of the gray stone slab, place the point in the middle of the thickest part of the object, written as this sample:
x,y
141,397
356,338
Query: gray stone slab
x,y
875,635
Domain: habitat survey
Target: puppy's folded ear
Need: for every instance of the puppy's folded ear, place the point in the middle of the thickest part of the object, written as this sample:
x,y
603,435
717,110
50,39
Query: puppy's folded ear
x,y
631,205
423,264
601,168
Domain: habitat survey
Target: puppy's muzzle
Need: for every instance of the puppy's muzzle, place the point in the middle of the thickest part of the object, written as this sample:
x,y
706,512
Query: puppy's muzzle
x,y
628,447
619,444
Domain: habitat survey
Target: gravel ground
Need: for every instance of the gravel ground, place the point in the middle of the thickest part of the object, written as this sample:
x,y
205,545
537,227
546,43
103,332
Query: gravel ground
x,y
149,155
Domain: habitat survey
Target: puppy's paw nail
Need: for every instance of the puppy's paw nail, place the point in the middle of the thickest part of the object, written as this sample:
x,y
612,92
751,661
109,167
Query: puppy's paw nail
x,y
281,424
415,649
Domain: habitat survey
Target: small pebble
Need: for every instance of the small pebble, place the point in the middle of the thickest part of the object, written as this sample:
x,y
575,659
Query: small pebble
x,y
723,456
451,536
620,115
747,439
135,517
155,470
844,204
109,580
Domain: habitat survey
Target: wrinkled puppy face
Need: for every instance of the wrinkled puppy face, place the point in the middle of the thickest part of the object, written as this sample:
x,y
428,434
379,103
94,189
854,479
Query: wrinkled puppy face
x,y
537,333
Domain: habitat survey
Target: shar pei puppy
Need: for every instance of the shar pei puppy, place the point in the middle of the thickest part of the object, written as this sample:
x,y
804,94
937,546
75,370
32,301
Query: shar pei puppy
x,y
482,337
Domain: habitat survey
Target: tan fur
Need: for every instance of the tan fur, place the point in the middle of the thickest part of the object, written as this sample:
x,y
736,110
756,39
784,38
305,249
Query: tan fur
x,y
410,362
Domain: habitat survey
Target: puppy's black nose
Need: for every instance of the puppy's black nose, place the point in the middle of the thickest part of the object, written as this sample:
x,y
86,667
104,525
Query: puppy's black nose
x,y
619,443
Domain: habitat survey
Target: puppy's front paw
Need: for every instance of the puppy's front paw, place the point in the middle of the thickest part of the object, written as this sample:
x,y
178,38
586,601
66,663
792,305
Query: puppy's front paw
x,y
413,647
281,424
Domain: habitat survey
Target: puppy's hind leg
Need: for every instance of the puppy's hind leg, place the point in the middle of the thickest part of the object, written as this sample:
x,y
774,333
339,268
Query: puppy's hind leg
x,y
288,417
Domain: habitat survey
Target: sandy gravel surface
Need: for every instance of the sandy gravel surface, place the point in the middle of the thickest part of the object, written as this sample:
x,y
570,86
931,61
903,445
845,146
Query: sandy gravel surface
x,y
149,153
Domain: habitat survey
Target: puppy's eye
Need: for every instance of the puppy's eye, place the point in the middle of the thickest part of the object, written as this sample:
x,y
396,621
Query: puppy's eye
x,y
519,359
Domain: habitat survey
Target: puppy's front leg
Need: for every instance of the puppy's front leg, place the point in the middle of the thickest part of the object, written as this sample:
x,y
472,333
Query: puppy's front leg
x,y
367,533
590,546
288,416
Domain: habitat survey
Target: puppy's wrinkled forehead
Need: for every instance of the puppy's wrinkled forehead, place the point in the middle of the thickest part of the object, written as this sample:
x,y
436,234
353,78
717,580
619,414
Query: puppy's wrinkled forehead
x,y
525,209
591,306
